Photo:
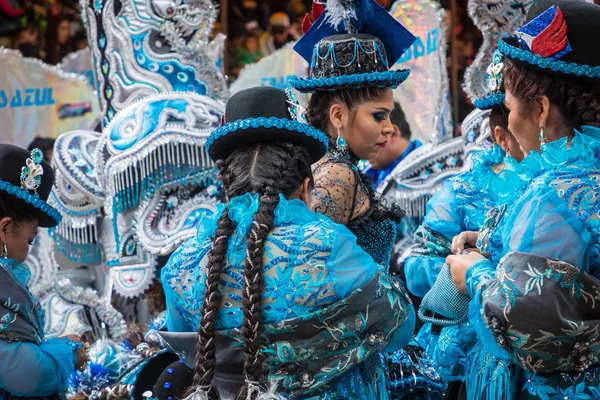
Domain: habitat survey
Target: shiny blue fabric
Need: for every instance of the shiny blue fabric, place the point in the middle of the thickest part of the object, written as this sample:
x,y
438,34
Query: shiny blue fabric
x,y
555,216
27,369
493,181
459,206
309,262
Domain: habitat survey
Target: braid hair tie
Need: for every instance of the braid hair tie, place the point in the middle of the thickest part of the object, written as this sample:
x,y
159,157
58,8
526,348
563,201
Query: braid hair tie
x,y
201,393
254,388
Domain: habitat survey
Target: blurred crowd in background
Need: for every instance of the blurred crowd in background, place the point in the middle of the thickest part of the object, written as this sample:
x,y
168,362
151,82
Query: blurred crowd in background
x,y
51,29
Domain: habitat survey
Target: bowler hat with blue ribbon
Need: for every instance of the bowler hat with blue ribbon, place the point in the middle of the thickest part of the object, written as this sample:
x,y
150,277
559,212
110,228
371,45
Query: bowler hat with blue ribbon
x,y
264,114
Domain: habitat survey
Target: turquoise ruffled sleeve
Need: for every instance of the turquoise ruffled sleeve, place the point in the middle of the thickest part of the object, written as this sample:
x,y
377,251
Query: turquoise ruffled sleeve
x,y
350,266
30,370
543,223
443,220
187,256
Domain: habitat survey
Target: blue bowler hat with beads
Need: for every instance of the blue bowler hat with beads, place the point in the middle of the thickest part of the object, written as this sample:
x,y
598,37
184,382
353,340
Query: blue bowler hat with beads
x,y
352,44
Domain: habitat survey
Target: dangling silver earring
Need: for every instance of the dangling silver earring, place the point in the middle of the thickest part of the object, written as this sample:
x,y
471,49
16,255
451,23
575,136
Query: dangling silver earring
x,y
543,138
4,251
508,153
341,145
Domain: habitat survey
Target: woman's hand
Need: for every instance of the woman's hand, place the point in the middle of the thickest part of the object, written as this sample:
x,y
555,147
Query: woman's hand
x,y
458,268
466,238
81,353
82,356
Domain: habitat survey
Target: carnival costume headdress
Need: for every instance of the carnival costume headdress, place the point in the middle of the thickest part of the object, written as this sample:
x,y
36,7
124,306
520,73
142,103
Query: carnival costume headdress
x,y
556,39
25,181
352,44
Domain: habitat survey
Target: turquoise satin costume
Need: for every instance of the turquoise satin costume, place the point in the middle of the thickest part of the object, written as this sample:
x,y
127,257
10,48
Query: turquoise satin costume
x,y
310,264
460,205
30,366
555,217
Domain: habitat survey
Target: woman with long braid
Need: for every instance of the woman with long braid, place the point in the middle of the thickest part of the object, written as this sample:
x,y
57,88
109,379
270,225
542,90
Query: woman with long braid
x,y
278,299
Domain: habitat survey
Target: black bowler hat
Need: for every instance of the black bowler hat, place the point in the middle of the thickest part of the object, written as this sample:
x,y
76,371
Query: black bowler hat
x,y
353,44
28,180
264,114
560,37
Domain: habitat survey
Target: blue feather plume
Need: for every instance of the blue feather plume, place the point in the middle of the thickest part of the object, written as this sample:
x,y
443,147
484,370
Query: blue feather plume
x,y
348,12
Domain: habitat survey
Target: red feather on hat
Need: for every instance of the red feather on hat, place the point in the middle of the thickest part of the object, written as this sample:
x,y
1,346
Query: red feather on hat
x,y
553,39
316,11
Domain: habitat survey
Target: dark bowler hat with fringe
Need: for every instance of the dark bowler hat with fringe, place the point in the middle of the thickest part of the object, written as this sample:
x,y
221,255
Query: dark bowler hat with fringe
x,y
264,114
26,181
352,44
560,37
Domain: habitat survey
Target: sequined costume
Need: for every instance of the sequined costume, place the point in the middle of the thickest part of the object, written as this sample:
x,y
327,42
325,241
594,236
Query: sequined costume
x,y
560,201
30,366
312,268
460,205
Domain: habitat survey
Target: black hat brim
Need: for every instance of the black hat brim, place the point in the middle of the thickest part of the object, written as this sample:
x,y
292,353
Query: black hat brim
x,y
47,216
225,139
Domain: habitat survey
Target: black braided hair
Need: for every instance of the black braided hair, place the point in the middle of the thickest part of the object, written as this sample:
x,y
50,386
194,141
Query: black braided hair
x,y
205,346
577,100
269,169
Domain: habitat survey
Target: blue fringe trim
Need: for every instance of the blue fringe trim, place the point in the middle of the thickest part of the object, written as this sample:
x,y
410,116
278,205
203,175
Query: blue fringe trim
x,y
490,377
548,63
31,199
262,122
389,79
86,253
490,101
484,334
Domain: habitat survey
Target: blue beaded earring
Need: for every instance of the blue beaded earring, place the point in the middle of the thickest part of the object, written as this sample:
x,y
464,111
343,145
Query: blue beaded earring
x,y
341,145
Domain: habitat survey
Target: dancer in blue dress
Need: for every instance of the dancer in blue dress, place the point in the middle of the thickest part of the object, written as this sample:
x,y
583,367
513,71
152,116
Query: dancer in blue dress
x,y
461,205
30,365
283,300
536,318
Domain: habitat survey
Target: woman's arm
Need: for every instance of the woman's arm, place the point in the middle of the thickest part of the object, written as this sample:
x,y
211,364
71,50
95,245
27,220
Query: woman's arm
x,y
542,313
30,370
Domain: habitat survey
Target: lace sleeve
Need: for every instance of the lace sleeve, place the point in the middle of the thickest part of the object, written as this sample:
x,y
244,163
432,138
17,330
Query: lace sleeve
x,y
335,193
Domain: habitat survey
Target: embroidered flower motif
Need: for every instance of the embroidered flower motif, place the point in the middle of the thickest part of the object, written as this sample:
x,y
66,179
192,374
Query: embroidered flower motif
x,y
295,109
31,174
494,79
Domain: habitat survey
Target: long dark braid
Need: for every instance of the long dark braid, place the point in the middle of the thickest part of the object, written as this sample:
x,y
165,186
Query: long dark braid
x,y
267,169
205,346
253,288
